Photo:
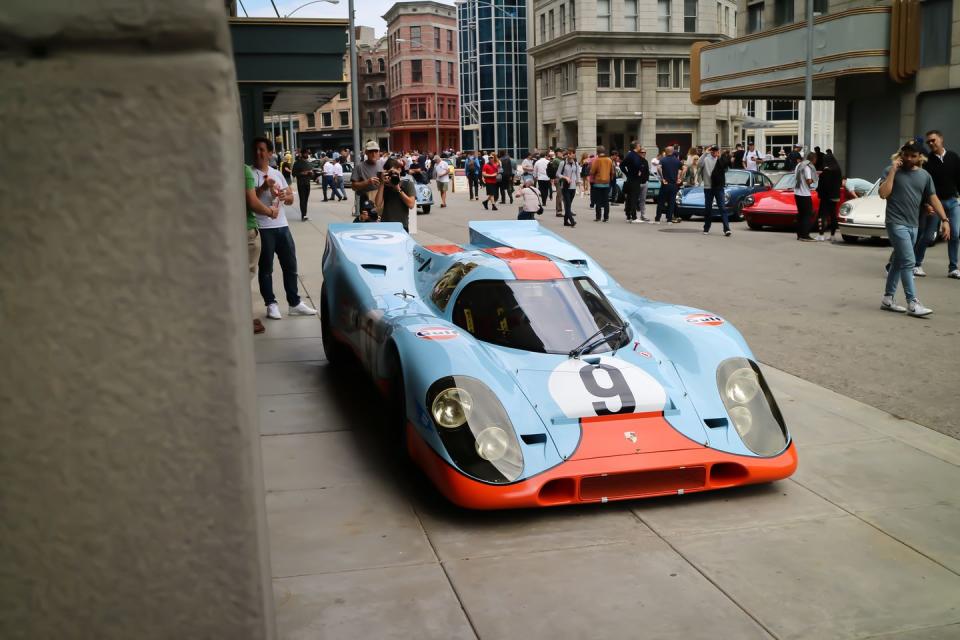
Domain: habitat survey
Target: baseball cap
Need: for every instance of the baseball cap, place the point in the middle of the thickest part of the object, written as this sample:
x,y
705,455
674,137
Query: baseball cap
x,y
911,147
372,146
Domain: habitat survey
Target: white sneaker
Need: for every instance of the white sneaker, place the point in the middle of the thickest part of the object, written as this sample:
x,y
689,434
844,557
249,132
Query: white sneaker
x,y
955,274
820,238
887,304
918,272
273,311
303,309
917,310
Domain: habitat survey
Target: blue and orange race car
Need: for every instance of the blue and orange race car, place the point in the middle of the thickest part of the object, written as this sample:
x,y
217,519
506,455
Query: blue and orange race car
x,y
524,375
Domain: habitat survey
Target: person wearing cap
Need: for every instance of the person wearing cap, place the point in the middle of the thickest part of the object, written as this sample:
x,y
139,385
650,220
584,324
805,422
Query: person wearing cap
x,y
365,179
416,174
794,158
905,188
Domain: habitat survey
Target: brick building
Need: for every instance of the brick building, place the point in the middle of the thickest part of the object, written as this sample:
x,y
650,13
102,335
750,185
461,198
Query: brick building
x,y
373,92
422,76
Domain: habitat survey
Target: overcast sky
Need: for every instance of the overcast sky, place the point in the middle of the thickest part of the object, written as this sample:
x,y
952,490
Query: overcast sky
x,y
368,11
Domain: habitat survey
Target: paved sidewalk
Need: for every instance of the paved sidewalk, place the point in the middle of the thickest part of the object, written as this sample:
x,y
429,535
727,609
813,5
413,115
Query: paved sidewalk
x,y
861,543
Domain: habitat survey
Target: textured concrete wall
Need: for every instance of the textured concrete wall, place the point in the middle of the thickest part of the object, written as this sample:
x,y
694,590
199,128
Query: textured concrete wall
x,y
131,500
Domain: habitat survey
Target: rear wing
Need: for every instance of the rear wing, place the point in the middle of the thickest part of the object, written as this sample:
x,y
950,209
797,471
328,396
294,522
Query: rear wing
x,y
530,236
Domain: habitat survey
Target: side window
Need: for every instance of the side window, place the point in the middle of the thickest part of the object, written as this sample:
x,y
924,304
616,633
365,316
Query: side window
x,y
447,284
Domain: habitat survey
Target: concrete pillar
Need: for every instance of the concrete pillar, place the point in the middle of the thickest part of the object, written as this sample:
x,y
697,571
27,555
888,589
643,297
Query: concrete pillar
x,y
132,497
648,105
586,105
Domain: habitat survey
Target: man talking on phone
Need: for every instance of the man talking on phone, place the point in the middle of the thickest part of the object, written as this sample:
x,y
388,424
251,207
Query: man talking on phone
x,y
905,187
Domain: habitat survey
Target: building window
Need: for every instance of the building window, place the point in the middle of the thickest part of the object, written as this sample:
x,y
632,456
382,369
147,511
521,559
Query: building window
x,y
436,38
629,74
553,33
343,93
417,108
751,108
369,66
603,74
311,120
383,118
369,92
449,40
326,119
344,118
663,15
689,16
821,6
630,15
782,12
546,84
415,36
369,118
935,24
383,92
603,15
673,74
450,75
573,15
755,18
731,28
719,17
438,68
543,28
782,110
563,19
416,70
381,65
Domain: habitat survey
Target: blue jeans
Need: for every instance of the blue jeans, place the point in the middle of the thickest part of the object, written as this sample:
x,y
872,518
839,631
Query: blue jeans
x,y
902,239
709,196
928,230
278,241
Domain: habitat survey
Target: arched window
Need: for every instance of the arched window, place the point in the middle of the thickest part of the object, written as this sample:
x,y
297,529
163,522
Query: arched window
x,y
369,92
383,118
381,65
383,92
369,66
369,118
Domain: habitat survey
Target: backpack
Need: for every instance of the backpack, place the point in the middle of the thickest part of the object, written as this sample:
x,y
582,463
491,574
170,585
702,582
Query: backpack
x,y
552,170
585,170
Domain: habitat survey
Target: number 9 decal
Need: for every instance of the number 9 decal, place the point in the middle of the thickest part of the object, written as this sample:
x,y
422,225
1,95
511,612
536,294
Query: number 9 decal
x,y
608,387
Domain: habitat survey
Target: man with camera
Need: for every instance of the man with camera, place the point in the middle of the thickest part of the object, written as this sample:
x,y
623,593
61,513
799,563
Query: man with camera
x,y
365,178
395,195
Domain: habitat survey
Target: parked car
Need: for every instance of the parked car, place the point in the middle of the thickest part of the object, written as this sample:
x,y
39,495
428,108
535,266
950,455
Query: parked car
x,y
740,184
517,373
777,207
653,190
774,169
863,217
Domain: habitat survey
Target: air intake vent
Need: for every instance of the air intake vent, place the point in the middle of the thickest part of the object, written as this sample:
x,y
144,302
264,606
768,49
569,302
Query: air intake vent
x,y
716,423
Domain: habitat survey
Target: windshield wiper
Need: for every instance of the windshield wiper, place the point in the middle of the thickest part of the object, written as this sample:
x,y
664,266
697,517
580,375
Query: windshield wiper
x,y
591,343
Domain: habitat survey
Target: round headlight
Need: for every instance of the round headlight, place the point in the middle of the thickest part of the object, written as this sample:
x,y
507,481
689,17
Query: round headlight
x,y
742,420
492,443
845,208
742,386
451,408
748,201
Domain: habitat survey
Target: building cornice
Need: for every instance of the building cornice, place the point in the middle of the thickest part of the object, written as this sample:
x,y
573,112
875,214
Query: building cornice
x,y
579,38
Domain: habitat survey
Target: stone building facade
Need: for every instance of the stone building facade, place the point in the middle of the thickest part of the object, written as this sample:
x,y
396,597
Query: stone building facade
x,y
610,71
422,76
373,92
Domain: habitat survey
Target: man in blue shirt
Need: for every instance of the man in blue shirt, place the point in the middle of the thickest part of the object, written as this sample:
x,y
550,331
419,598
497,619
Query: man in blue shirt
x,y
671,172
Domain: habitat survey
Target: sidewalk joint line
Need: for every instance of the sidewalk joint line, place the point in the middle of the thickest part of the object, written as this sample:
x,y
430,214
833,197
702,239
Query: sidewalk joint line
x,y
355,569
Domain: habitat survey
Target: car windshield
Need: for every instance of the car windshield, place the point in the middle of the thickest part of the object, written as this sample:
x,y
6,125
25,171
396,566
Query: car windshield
x,y
774,165
738,178
544,316
789,181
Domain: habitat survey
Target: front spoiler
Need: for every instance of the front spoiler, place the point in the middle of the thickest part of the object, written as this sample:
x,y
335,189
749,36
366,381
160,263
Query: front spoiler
x,y
646,475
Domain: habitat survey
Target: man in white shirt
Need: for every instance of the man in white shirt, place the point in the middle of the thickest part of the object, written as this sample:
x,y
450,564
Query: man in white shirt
x,y
328,177
338,179
443,180
752,158
275,237
805,176
527,165
540,175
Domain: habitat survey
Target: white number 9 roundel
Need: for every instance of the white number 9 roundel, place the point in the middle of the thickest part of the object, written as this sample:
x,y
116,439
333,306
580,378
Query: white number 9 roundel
x,y
610,386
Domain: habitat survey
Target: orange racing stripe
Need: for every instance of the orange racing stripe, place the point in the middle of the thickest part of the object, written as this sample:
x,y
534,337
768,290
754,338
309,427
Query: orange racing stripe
x,y
527,265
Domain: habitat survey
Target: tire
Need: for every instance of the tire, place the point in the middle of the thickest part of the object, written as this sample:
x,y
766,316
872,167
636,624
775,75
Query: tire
x,y
685,216
338,354
753,226
849,239
738,213
396,418
425,209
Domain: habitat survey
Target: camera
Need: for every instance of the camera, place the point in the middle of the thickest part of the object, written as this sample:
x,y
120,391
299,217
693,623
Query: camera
x,y
394,179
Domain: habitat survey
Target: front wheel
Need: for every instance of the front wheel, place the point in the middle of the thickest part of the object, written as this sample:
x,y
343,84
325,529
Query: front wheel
x,y
849,239
425,209
337,353
753,226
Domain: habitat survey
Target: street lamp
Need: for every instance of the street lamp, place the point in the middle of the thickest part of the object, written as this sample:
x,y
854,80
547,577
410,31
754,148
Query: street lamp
x,y
436,111
307,4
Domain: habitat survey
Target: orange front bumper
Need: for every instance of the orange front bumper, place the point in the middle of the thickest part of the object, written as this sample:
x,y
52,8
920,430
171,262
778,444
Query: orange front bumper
x,y
680,466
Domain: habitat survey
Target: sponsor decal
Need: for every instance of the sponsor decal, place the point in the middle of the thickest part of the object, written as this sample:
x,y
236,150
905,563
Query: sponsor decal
x,y
381,237
437,333
631,436
704,320
604,386
645,354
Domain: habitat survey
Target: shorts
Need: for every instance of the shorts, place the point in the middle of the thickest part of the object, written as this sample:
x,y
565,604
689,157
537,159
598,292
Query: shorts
x,y
443,186
493,190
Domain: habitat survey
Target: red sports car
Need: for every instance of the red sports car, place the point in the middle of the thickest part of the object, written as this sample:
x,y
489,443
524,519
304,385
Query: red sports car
x,y
777,207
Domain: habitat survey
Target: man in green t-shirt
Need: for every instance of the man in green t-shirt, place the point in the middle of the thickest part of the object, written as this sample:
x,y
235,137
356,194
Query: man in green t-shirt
x,y
254,206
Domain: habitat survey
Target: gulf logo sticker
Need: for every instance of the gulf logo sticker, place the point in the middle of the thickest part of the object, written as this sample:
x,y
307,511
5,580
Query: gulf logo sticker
x,y
704,320
437,333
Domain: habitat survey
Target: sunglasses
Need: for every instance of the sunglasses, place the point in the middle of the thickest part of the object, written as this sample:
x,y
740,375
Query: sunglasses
x,y
931,141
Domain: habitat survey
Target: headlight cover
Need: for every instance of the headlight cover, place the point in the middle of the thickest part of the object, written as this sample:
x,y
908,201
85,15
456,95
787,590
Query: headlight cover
x,y
748,201
751,407
679,198
483,443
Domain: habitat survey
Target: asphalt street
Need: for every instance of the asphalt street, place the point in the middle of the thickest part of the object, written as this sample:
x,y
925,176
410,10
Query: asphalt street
x,y
812,309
